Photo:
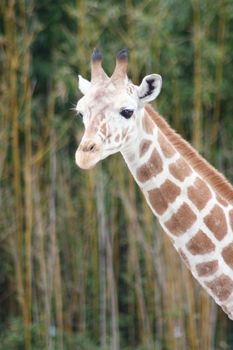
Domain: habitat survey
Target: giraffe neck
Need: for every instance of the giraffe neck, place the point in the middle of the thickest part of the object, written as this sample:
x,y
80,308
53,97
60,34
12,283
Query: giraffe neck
x,y
198,221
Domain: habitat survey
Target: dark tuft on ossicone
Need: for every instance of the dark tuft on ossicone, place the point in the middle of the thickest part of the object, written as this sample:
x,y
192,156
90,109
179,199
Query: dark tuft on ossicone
x,y
96,56
122,55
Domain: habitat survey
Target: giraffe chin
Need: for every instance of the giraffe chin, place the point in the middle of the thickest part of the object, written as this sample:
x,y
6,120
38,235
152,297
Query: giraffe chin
x,y
85,160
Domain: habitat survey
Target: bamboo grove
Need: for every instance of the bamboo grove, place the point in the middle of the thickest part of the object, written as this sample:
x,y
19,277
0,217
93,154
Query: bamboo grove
x,y
84,264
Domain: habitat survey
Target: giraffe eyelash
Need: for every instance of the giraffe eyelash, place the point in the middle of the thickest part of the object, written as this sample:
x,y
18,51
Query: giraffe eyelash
x,y
80,114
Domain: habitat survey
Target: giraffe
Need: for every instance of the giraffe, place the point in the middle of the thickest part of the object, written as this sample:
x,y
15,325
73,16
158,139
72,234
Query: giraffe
x,y
192,201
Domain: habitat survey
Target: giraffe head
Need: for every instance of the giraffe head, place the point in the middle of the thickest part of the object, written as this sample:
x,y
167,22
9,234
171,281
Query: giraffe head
x,y
111,109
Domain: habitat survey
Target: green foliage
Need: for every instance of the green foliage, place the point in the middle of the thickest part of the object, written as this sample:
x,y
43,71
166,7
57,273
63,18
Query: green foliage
x,y
12,337
58,289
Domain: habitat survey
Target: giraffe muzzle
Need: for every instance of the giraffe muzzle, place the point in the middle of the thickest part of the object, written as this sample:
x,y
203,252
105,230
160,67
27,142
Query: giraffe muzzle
x,y
88,154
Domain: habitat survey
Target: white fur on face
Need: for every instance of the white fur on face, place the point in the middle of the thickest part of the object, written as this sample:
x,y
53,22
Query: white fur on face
x,y
101,106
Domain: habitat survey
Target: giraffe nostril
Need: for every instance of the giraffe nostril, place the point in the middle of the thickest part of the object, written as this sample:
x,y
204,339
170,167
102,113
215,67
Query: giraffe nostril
x,y
92,147
88,147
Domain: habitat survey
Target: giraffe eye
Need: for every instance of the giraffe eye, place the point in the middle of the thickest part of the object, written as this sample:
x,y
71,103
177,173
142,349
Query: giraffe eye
x,y
126,113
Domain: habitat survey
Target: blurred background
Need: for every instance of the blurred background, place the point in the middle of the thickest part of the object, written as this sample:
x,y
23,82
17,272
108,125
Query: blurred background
x,y
83,263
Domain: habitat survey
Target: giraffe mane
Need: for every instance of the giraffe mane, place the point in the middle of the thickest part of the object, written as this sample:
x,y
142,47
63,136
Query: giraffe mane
x,y
216,180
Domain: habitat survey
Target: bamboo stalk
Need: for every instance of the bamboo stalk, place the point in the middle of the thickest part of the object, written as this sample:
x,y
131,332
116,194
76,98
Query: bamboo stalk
x,y
13,58
28,180
55,271
102,233
45,311
159,280
197,99
115,341
133,229
131,34
218,76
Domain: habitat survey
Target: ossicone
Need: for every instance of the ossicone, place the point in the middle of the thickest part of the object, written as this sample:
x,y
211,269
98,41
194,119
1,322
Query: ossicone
x,y
120,72
96,55
97,72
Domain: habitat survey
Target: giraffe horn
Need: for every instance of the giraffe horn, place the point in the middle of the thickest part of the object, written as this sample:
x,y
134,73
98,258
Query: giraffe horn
x,y
120,72
97,72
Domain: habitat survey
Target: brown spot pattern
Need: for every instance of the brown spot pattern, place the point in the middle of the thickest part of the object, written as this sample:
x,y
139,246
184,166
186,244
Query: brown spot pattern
x,y
231,218
199,194
181,221
227,254
130,89
147,124
151,168
180,169
161,197
104,129
166,148
215,179
200,244
221,287
117,138
207,268
125,132
144,146
216,222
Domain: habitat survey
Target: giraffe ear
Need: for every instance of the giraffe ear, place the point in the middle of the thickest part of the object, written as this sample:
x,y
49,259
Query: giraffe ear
x,y
150,88
83,84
